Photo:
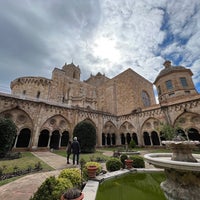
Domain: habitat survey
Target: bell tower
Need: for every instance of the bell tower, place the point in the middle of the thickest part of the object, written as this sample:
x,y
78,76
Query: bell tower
x,y
72,71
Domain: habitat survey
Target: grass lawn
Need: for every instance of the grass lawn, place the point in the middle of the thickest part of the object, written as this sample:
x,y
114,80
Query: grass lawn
x,y
86,156
99,152
27,160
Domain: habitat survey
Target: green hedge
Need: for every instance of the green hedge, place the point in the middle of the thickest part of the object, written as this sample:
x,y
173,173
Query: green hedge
x,y
86,134
113,164
123,157
138,161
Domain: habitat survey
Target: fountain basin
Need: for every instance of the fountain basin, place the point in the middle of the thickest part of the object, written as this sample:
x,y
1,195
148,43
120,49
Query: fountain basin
x,y
182,178
163,160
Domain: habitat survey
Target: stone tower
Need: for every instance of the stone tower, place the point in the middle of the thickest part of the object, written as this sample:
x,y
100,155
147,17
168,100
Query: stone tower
x,y
72,71
174,82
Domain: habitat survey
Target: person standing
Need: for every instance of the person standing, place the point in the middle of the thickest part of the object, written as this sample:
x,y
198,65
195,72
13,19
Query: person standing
x,y
75,150
69,150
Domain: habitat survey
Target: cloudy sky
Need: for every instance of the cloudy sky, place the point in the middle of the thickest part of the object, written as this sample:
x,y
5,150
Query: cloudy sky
x,y
106,36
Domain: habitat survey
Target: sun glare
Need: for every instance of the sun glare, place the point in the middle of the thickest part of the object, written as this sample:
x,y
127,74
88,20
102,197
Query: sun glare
x,y
106,49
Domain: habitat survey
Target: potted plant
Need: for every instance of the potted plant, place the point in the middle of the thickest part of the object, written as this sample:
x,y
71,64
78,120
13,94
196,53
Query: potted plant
x,y
91,171
72,194
129,163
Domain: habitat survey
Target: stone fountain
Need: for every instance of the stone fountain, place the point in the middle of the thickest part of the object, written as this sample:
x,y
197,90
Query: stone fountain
x,y
182,169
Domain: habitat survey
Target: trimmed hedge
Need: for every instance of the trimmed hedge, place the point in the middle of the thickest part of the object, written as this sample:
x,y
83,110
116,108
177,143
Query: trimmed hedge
x,y
123,157
86,134
113,164
138,161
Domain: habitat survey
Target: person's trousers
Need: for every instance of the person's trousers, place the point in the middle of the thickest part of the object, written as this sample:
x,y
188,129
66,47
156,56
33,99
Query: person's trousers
x,y
75,158
68,155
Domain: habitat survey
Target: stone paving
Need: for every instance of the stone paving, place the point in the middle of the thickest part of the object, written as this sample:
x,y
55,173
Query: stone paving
x,y
23,188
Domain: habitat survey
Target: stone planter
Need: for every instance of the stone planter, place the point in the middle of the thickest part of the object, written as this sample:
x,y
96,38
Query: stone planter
x,y
91,171
129,163
78,198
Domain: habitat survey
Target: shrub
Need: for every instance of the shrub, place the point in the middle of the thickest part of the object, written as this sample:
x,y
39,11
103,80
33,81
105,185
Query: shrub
x,y
113,164
123,157
132,144
86,134
8,132
62,184
90,163
73,174
138,161
52,188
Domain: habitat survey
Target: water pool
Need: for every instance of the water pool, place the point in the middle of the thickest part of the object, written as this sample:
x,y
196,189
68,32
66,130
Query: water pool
x,y
138,186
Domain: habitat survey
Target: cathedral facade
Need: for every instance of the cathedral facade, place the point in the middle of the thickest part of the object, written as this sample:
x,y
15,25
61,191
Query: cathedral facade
x,y
46,111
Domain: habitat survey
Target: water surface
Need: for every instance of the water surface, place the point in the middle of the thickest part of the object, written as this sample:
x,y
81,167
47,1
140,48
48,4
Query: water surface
x,y
137,186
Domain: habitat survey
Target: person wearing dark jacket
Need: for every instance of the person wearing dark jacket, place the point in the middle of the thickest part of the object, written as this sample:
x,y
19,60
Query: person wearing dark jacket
x,y
69,151
75,150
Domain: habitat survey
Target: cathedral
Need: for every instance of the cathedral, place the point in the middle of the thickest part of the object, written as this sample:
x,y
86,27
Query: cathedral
x,y
122,108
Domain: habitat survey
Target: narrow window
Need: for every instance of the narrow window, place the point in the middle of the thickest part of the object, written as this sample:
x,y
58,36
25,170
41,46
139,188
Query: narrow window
x,y
38,94
169,84
145,99
24,92
159,90
183,82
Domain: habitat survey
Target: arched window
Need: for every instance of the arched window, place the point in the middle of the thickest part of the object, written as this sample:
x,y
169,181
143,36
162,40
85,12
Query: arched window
x,y
145,99
24,138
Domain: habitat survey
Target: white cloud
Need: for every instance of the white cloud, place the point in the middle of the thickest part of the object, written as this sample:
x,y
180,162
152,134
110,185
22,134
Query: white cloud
x,y
98,35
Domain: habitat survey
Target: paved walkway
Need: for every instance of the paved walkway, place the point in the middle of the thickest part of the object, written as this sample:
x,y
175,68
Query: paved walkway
x,y
23,188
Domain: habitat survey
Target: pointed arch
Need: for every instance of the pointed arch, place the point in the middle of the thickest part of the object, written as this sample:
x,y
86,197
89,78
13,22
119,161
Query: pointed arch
x,y
109,134
54,141
128,138
103,139
146,138
64,139
90,121
150,124
23,139
126,127
193,134
187,120
57,122
113,139
43,138
123,139
135,138
155,138
109,127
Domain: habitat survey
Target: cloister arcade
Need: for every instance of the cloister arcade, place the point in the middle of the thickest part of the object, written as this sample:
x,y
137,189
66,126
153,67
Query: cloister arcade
x,y
56,130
